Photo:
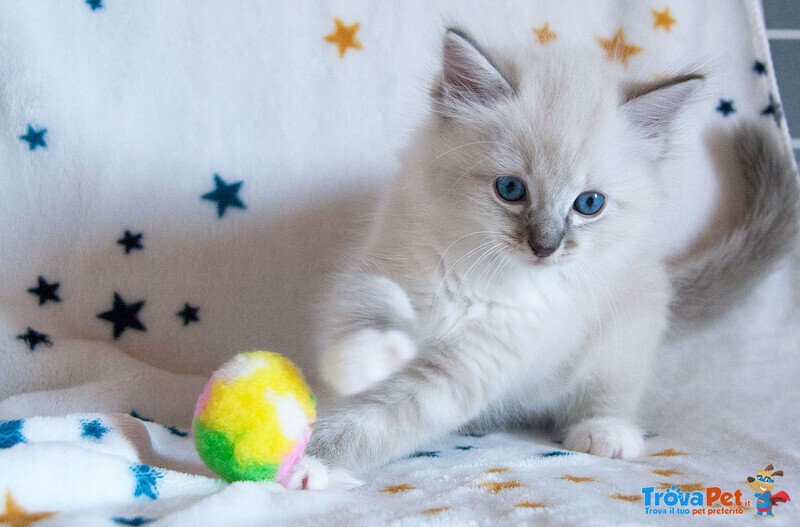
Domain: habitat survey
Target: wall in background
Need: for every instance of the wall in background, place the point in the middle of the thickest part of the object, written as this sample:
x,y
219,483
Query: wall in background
x,y
783,30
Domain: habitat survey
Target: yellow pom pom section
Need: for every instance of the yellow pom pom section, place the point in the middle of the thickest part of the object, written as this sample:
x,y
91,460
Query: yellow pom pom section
x,y
262,404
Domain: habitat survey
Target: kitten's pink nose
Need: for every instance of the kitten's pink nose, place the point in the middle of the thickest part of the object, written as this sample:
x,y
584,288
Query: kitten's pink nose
x,y
542,252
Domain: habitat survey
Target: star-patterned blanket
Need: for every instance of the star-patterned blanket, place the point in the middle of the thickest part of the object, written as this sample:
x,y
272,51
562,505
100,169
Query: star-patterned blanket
x,y
178,178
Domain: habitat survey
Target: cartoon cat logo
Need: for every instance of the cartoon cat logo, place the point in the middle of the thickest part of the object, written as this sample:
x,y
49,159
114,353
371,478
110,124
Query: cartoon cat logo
x,y
763,484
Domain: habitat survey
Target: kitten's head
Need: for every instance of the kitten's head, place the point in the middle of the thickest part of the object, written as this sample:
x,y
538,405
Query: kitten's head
x,y
550,158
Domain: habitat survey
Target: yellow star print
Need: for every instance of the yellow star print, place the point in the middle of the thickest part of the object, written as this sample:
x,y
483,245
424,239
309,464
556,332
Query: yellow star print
x,y
394,489
663,19
496,486
669,453
617,49
544,35
527,504
577,479
344,36
16,516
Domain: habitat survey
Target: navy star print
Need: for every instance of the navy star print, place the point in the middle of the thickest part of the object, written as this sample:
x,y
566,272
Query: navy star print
x,y
426,453
146,481
136,415
188,314
555,453
93,429
131,241
726,107
135,522
45,291
33,338
759,67
11,433
174,430
95,4
34,138
225,195
773,109
124,316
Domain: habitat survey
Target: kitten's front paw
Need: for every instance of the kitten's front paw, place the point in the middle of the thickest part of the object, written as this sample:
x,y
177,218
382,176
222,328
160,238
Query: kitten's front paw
x,y
605,436
365,358
311,473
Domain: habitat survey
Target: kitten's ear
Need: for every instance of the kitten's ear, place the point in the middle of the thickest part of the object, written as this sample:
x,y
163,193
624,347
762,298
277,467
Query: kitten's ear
x,y
651,108
468,77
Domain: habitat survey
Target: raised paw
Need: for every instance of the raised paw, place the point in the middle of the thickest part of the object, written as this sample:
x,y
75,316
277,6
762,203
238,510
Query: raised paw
x,y
311,473
606,437
366,357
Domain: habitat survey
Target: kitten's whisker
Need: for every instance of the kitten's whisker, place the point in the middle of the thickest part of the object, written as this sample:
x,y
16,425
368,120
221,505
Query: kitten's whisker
x,y
475,263
491,250
506,259
443,280
444,253
464,146
490,265
462,176
582,274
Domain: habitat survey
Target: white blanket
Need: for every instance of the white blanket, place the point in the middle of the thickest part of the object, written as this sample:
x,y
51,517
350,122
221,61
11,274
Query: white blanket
x,y
127,129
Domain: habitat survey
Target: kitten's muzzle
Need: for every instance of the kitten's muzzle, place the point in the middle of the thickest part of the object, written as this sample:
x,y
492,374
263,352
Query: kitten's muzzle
x,y
540,250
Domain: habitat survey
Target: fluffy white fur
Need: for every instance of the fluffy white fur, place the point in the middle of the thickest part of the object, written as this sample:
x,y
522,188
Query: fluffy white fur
x,y
447,319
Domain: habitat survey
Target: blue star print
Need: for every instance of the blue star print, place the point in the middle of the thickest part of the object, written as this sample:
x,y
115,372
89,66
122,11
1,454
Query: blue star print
x,y
555,453
136,415
773,109
427,453
95,4
34,138
94,429
225,194
726,107
33,338
135,522
759,67
146,481
11,433
174,430
188,314
123,316
131,241
45,291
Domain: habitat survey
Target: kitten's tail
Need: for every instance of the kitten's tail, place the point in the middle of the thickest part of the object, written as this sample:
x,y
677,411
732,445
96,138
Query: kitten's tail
x,y
707,285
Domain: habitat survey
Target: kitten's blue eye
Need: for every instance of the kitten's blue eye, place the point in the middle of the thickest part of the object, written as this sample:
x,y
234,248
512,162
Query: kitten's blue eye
x,y
589,203
510,188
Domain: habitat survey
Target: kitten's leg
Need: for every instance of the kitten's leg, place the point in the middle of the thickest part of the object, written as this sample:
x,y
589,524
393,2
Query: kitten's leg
x,y
435,394
367,333
600,416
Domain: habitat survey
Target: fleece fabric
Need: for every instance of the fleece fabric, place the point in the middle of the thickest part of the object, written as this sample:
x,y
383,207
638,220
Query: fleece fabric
x,y
177,179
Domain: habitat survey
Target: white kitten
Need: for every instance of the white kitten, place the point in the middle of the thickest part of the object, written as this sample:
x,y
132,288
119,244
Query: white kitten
x,y
513,275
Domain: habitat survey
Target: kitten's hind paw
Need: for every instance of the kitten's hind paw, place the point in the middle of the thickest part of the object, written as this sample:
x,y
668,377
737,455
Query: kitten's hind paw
x,y
606,437
311,473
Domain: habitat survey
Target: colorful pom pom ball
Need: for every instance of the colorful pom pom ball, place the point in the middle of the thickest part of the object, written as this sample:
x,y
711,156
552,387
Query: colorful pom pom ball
x,y
253,420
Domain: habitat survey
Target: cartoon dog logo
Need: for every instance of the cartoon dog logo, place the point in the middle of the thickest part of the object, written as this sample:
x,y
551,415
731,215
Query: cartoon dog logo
x,y
763,484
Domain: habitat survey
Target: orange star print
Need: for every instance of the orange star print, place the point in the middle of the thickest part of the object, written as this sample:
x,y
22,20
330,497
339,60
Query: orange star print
x,y
544,35
663,19
16,516
344,36
617,49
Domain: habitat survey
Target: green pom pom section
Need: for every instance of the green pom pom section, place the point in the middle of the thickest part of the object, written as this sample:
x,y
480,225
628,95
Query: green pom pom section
x,y
216,451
